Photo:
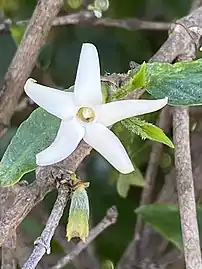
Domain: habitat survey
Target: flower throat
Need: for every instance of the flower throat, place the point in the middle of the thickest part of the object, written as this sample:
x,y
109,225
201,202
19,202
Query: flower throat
x,y
86,114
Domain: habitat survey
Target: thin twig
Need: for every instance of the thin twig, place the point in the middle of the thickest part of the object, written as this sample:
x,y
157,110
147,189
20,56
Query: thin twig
x,y
192,25
37,190
185,188
25,57
86,259
88,18
155,158
131,24
146,196
29,196
184,35
42,244
184,175
109,219
151,172
182,40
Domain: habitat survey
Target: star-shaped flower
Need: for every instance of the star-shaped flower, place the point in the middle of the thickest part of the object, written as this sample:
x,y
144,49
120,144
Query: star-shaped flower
x,y
85,117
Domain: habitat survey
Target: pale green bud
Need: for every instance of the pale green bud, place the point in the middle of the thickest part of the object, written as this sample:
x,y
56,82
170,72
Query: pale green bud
x,y
77,225
107,265
101,5
75,4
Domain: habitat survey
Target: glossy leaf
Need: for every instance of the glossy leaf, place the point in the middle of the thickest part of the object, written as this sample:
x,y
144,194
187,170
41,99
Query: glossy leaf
x,y
147,130
138,80
165,219
180,82
33,135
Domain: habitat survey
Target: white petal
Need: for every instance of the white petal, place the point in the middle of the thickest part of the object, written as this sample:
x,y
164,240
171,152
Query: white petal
x,y
109,146
87,87
113,112
69,135
56,102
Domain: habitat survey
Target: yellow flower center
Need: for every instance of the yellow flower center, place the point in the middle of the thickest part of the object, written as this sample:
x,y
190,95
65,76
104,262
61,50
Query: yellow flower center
x,y
86,114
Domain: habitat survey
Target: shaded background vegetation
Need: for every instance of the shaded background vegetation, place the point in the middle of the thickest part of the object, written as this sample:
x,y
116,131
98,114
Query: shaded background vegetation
x,y
56,66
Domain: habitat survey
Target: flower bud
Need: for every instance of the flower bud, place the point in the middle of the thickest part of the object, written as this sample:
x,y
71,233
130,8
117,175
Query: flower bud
x,y
101,5
78,214
74,3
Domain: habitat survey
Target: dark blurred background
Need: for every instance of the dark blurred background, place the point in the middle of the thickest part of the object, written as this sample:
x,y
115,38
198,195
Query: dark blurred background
x,y
56,66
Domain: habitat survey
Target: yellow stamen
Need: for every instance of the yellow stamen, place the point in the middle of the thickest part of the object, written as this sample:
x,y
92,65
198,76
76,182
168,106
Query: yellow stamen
x,y
86,114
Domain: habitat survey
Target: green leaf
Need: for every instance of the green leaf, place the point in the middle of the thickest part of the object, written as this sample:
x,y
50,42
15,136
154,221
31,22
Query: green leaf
x,y
165,219
138,80
124,182
104,92
147,130
33,135
180,82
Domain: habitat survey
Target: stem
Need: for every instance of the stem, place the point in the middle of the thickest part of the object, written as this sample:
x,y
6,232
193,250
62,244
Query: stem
x,y
42,244
185,189
109,219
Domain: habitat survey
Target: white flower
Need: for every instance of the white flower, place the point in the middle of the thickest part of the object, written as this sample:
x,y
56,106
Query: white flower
x,y
85,117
